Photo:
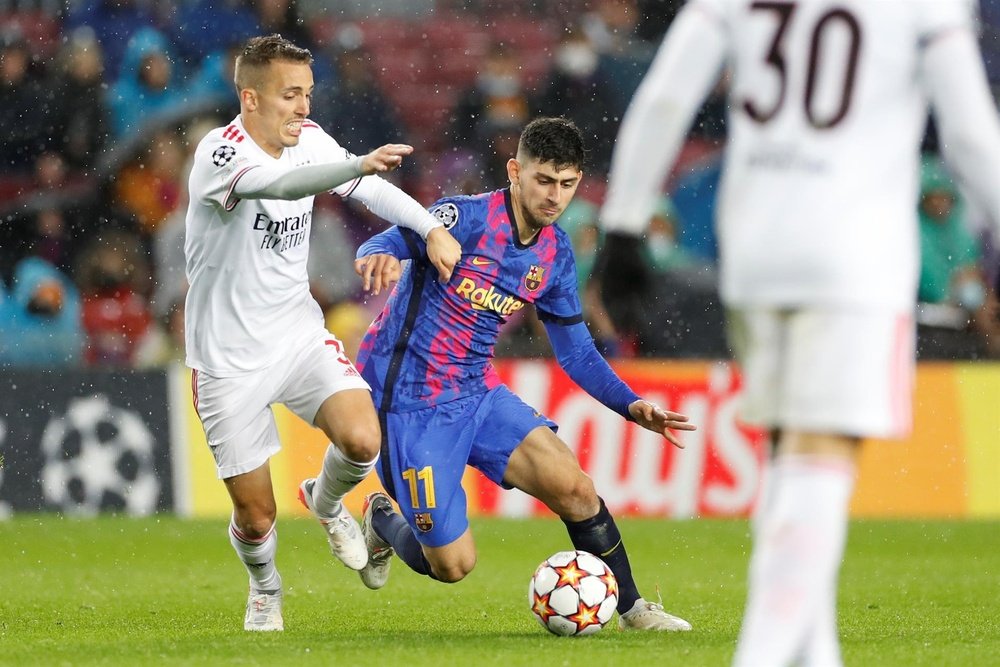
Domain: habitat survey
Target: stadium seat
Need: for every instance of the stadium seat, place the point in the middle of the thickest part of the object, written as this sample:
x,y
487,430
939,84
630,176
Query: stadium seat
x,y
425,110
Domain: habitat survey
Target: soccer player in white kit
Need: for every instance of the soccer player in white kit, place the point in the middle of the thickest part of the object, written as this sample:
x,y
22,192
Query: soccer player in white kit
x,y
254,334
819,246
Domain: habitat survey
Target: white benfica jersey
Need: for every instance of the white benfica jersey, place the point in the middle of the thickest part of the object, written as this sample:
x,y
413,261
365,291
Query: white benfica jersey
x,y
246,260
827,108
821,177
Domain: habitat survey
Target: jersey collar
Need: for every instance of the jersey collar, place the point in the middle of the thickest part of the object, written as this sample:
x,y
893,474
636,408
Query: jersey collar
x,y
512,222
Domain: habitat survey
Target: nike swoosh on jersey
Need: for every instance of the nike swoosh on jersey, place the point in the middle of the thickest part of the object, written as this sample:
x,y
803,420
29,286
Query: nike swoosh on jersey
x,y
480,261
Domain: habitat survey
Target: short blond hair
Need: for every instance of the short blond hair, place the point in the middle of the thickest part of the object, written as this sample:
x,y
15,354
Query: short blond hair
x,y
259,52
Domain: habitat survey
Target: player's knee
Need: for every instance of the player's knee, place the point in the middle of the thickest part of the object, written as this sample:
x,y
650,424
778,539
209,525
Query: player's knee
x,y
454,570
361,441
257,525
574,498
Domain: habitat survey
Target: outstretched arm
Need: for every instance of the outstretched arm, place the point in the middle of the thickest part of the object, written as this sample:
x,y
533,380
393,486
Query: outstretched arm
x,y
289,184
653,129
575,350
390,203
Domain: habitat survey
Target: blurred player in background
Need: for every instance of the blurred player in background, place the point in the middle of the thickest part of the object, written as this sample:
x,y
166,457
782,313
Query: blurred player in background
x,y
819,250
254,334
427,357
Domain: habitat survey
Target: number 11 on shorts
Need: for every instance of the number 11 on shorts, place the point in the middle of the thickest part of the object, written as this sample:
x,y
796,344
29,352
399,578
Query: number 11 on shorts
x,y
425,475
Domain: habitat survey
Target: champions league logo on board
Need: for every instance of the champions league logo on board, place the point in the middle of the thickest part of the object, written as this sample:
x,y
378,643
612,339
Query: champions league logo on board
x,y
222,155
99,456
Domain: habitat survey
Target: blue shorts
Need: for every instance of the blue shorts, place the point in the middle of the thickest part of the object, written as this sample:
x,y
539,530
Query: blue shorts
x,y
424,454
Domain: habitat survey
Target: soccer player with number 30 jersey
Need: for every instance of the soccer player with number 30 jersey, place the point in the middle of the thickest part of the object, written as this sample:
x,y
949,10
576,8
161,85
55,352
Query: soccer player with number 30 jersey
x,y
818,239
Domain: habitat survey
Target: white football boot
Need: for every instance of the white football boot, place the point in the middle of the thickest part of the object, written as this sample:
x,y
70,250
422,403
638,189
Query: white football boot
x,y
650,616
376,572
263,613
342,530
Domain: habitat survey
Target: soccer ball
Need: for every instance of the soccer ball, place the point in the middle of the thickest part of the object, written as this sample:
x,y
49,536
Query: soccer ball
x,y
573,593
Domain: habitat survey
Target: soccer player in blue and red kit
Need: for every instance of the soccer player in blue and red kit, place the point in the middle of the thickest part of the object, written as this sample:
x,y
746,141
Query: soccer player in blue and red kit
x,y
441,404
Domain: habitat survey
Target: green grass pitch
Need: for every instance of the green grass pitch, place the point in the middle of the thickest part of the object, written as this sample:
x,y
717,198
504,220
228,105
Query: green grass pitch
x,y
117,591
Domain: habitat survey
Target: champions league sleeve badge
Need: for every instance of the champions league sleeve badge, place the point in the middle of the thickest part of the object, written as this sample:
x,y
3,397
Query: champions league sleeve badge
x,y
447,214
223,155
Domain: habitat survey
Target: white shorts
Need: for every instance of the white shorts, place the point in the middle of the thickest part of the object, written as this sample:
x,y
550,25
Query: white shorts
x,y
236,411
826,370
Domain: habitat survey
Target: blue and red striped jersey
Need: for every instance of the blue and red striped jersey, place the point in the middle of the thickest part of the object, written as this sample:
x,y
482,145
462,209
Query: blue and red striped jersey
x,y
433,343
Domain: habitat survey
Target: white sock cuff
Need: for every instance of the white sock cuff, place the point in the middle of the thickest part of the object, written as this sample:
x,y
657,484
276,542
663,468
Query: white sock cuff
x,y
366,466
242,537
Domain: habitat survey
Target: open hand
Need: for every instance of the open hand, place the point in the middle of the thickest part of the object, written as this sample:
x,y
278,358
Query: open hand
x,y
384,158
378,272
654,418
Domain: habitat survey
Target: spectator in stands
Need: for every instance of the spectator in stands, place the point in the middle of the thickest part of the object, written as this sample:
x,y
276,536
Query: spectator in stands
x,y
950,258
457,171
624,55
201,28
49,238
113,22
114,277
694,197
150,187
212,82
148,85
359,112
489,115
84,115
662,246
40,318
576,90
28,98
282,17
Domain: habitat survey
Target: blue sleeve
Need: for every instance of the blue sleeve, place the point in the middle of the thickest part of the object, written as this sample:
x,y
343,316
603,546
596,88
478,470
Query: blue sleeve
x,y
575,350
561,312
399,242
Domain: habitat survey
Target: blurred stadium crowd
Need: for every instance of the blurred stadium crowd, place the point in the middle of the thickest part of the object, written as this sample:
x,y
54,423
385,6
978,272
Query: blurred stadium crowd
x,y
103,101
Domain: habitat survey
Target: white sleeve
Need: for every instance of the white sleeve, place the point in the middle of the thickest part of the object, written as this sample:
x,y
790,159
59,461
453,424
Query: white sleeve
x,y
381,197
218,163
658,118
966,115
259,182
393,205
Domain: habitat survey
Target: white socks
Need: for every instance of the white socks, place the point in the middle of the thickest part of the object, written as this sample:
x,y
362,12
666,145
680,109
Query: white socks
x,y
338,476
798,547
257,555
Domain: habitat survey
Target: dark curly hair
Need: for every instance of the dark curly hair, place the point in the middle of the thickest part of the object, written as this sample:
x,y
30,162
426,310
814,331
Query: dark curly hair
x,y
555,140
259,52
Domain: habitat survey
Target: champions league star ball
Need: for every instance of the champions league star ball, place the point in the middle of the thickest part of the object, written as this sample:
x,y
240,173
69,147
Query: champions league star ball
x,y
573,593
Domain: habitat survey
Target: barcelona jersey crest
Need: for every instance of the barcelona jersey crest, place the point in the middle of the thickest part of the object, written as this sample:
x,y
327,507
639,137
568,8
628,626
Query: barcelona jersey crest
x,y
534,278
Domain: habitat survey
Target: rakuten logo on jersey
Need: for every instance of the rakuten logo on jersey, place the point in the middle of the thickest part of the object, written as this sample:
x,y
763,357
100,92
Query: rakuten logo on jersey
x,y
486,298
280,235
